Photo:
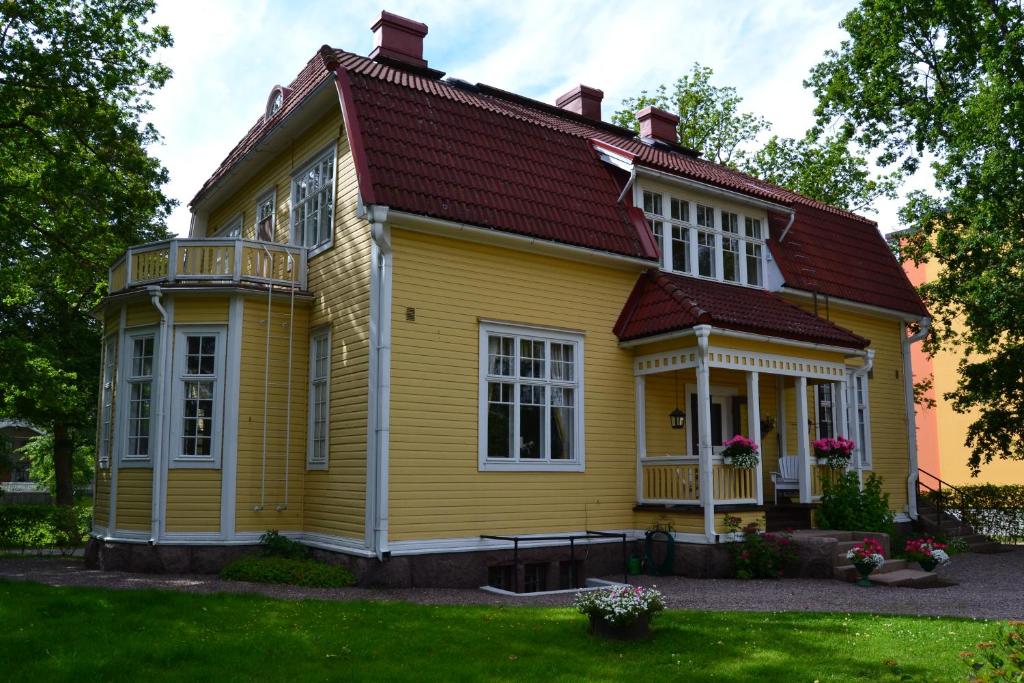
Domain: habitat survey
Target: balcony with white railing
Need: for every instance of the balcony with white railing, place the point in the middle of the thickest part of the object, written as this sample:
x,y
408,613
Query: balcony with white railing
x,y
210,262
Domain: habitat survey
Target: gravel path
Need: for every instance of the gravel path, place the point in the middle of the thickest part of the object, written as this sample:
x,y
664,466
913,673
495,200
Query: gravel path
x,y
989,586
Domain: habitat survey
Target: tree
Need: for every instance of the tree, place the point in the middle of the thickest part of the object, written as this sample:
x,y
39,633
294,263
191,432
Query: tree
x,y
946,80
39,452
77,186
817,165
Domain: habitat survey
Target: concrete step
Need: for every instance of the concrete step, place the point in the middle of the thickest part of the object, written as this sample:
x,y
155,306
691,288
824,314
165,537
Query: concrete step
x,y
908,578
847,572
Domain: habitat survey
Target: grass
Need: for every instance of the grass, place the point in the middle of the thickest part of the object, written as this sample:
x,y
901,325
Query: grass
x,y
95,634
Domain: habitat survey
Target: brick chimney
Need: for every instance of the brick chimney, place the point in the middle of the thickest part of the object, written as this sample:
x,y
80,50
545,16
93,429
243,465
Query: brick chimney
x,y
582,100
397,39
658,124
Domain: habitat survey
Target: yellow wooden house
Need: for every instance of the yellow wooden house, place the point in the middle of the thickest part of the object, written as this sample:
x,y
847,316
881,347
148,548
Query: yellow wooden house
x,y
414,312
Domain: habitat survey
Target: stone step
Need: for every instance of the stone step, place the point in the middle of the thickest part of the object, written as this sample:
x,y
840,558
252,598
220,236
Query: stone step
x,y
847,572
989,547
974,538
909,578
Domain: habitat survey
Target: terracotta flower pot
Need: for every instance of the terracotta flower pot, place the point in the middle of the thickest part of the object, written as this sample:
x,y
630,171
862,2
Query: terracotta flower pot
x,y
635,630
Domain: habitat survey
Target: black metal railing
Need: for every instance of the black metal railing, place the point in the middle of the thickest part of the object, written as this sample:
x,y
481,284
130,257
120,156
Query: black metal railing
x,y
942,494
571,538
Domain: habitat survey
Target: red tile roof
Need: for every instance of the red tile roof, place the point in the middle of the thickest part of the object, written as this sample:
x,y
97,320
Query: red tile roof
x,y
482,156
662,302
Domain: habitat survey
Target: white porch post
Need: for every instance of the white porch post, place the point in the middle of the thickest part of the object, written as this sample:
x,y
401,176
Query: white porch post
x,y
641,434
803,446
707,493
754,428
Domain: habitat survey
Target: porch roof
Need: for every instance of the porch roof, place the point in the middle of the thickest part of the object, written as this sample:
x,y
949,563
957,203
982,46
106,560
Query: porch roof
x,y
661,303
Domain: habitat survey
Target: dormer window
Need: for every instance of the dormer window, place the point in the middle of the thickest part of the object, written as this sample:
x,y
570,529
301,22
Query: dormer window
x,y
275,101
698,238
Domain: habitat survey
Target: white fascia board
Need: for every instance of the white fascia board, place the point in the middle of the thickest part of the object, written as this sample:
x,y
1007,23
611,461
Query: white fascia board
x,y
721,332
534,245
735,196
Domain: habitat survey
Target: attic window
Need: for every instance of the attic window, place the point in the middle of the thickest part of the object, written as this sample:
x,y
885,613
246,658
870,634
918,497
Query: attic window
x,y
274,102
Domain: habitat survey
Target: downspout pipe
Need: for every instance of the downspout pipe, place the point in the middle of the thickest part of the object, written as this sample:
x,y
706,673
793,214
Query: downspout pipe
x,y
156,525
380,377
785,230
925,325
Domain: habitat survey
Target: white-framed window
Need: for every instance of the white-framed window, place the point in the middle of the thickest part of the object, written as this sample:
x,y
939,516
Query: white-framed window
x,y
197,410
265,216
825,408
313,203
319,399
862,418
531,398
108,394
233,228
698,238
140,347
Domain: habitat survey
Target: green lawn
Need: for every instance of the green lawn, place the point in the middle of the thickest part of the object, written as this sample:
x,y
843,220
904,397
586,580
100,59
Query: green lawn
x,y
91,634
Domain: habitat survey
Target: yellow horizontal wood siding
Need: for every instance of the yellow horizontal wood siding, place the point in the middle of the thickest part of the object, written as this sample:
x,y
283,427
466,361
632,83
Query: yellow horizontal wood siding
x,y
276,175
134,499
101,498
335,498
679,521
890,459
253,472
193,500
141,314
192,309
436,490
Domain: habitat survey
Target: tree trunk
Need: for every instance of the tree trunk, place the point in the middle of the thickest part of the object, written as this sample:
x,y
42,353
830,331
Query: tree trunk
x,y
62,452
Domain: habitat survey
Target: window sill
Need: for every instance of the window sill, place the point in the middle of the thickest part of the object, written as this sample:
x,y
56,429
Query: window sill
x,y
526,466
317,466
313,251
135,462
195,463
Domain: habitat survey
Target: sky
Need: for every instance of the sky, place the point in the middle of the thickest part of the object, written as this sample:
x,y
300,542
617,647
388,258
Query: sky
x,y
228,54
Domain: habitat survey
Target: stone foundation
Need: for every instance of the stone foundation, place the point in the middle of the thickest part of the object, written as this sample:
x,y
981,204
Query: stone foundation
x,y
162,559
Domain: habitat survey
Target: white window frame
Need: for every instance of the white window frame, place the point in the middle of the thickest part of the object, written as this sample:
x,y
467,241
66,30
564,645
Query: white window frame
x,y
125,388
315,336
547,335
833,409
108,395
717,233
859,403
272,195
232,228
323,155
178,459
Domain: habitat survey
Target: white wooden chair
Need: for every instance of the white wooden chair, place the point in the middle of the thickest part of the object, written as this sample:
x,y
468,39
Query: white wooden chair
x,y
788,476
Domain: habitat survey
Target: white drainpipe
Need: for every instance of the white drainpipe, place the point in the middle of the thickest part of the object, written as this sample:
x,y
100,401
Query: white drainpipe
x,y
908,397
380,374
163,384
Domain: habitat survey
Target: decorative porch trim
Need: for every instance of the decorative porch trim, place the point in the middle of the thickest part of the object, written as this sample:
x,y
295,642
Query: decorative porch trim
x,y
733,359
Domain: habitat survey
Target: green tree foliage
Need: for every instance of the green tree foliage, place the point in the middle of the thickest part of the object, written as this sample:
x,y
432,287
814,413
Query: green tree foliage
x,y
39,451
920,79
711,121
77,186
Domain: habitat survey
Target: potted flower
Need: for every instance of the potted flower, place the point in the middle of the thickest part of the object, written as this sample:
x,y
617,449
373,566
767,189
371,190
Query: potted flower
x,y
834,452
622,612
927,552
866,558
740,452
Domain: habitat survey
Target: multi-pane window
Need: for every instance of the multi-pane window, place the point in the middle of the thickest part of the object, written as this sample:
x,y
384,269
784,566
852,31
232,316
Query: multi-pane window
x,y
319,396
824,394
265,217
705,240
107,397
199,358
313,203
232,228
530,398
862,417
140,395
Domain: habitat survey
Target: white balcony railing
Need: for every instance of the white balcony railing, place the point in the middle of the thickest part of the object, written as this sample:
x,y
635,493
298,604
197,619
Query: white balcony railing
x,y
675,480
210,261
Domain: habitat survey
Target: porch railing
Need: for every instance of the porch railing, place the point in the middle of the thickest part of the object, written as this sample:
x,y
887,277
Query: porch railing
x,y
675,480
227,261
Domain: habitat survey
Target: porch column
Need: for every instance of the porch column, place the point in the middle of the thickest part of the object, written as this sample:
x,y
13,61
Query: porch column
x,y
641,434
707,475
754,429
803,446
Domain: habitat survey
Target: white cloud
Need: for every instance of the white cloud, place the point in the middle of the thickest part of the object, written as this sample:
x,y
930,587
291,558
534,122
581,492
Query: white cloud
x,y
227,55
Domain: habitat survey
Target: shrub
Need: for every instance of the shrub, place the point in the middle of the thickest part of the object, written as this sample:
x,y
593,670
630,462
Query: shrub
x,y
1001,659
34,527
847,507
276,545
292,571
994,510
760,555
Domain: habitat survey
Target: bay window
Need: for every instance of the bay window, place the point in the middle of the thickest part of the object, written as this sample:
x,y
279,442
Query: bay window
x,y
530,399
139,382
107,398
198,396
705,240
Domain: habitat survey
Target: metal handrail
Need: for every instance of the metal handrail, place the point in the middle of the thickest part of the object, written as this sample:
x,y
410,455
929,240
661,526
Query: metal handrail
x,y
939,499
